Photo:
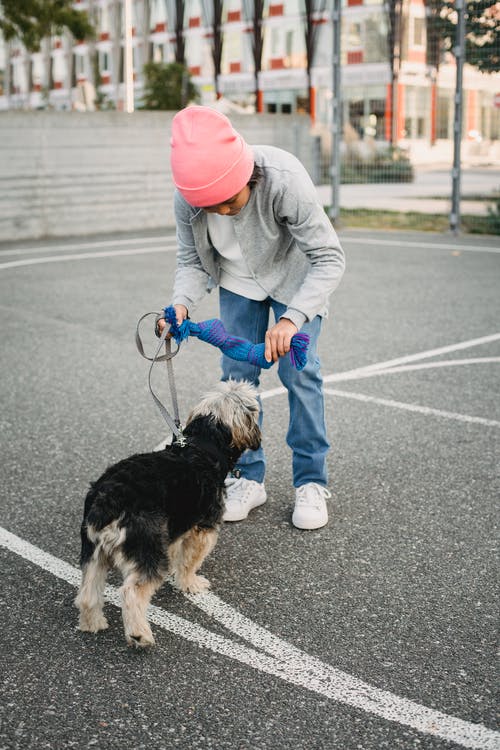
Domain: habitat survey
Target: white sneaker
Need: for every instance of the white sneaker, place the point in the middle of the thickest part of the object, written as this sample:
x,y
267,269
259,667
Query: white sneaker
x,y
242,496
310,510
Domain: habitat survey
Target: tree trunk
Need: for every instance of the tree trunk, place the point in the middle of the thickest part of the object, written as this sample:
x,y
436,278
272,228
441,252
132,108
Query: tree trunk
x,y
394,9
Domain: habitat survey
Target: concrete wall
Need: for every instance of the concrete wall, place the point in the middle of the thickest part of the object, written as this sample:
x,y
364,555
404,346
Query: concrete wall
x,y
81,173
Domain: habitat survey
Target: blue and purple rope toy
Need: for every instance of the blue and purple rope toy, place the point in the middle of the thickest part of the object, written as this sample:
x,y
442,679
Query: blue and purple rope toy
x,y
213,332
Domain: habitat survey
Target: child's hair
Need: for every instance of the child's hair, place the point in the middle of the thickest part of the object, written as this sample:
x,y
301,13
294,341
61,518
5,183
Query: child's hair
x,y
255,177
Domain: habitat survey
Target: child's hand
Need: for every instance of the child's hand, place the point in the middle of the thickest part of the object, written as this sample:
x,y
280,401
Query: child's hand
x,y
278,339
181,313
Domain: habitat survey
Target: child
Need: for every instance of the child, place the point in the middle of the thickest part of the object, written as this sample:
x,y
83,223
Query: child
x,y
249,221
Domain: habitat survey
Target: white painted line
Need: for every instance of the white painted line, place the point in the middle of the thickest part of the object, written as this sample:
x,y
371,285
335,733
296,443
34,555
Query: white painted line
x,y
363,374
389,368
346,688
87,245
402,244
427,411
279,391
405,244
282,660
372,371
414,368
84,256
348,374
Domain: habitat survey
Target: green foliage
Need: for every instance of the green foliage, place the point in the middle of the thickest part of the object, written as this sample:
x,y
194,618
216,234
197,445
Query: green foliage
x,y
483,36
489,224
440,30
482,33
167,86
30,21
391,165
403,220
419,222
102,101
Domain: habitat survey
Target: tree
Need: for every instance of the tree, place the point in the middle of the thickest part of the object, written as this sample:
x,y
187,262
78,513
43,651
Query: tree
x,y
254,13
394,11
31,21
175,11
482,48
314,10
167,86
439,33
212,14
483,35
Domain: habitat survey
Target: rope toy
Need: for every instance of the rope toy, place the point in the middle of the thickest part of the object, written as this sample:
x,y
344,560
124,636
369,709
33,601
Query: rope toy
x,y
213,332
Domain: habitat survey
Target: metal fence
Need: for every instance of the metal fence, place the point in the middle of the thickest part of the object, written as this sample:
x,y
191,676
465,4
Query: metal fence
x,y
427,155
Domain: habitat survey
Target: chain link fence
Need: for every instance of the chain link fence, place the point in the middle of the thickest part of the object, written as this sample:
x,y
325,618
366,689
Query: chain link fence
x,y
400,154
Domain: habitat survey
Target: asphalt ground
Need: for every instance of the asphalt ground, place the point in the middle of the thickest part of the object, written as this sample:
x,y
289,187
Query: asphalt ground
x,y
377,631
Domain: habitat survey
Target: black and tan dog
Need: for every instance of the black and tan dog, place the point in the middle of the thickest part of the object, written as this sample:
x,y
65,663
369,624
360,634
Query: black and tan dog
x,y
158,514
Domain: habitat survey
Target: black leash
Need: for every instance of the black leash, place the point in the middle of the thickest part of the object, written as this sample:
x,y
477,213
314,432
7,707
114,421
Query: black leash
x,y
175,422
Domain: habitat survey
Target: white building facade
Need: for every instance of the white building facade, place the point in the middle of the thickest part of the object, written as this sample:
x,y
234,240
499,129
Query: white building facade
x,y
70,74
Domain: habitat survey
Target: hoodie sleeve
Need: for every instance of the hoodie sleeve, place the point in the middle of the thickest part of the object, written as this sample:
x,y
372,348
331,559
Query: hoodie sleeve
x,y
307,222
191,281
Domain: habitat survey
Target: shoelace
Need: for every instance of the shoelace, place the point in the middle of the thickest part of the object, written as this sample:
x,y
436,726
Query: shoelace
x,y
305,494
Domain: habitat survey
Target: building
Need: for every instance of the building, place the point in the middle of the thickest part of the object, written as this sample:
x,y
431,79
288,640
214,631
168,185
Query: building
x,y
63,74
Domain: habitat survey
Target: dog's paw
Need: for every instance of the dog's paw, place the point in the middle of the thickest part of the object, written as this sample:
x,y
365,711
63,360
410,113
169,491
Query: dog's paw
x,y
139,635
196,585
90,622
142,640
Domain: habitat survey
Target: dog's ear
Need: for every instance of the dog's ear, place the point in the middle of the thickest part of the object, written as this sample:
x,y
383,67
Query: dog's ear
x,y
246,434
255,436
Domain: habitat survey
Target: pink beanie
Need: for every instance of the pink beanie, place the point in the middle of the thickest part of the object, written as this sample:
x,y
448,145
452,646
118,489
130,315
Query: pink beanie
x,y
210,161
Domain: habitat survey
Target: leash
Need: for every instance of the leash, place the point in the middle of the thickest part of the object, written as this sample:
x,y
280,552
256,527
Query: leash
x,y
175,422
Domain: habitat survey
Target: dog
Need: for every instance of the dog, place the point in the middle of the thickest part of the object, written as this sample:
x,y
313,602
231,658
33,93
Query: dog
x,y
156,515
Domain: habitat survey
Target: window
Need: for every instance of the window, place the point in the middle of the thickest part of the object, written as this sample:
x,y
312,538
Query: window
x,y
354,35
275,38
103,61
419,28
417,109
376,119
375,33
443,129
356,112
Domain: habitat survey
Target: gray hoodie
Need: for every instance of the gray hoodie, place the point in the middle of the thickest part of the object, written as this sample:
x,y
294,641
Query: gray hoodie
x,y
286,238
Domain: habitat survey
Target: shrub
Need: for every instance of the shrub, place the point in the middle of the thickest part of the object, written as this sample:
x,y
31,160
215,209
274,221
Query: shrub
x,y
167,86
391,165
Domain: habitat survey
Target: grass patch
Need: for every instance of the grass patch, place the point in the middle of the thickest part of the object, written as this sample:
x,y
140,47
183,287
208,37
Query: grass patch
x,y
478,197
415,221
408,220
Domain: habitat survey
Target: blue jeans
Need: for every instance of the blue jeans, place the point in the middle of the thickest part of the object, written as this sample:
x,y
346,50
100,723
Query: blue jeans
x,y
306,434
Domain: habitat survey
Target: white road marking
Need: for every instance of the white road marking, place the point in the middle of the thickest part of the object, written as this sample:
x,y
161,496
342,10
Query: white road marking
x,y
284,660
403,244
88,245
382,368
280,659
57,249
426,410
413,368
399,365
349,374
84,256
